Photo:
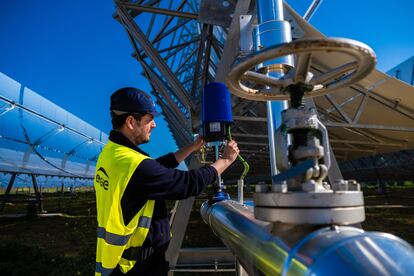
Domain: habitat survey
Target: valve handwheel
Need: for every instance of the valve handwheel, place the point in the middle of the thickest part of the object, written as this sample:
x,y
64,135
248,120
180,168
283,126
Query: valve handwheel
x,y
246,83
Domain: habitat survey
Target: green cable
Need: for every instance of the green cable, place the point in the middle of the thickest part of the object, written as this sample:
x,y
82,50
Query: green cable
x,y
245,164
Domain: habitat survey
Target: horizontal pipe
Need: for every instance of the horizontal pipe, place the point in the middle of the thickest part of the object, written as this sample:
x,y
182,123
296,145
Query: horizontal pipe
x,y
334,124
337,249
41,116
250,118
43,174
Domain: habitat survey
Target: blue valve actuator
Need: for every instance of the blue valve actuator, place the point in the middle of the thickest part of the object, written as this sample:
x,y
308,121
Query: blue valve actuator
x,y
216,103
216,113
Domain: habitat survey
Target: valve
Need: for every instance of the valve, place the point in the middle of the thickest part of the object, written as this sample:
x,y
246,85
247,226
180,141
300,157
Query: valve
x,y
257,85
299,194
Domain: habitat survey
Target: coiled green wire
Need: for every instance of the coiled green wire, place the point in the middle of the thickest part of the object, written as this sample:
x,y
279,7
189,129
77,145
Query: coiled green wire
x,y
244,162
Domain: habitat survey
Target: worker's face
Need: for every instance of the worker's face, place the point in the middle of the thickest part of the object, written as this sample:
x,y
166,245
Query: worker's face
x,y
143,128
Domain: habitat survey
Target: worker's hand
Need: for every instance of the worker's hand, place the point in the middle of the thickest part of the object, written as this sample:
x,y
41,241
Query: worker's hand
x,y
198,143
230,151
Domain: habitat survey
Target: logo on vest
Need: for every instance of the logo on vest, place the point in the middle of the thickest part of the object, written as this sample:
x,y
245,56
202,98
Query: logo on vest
x,y
102,178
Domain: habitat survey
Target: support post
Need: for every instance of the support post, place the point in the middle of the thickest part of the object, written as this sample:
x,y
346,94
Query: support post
x,y
37,193
62,188
179,222
6,195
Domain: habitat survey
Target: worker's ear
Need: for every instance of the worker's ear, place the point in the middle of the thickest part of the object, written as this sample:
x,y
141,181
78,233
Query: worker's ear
x,y
130,122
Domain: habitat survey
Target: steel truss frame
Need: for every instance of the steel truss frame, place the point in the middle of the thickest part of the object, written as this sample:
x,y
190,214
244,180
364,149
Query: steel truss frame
x,y
180,50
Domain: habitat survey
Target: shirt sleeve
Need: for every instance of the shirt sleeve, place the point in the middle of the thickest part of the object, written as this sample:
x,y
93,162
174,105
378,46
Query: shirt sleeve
x,y
155,181
168,160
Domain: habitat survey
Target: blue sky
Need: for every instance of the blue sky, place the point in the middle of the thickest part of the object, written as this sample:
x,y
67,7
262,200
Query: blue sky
x,y
75,54
386,26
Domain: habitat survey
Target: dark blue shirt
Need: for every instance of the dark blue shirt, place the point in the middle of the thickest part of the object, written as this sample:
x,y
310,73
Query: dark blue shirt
x,y
158,179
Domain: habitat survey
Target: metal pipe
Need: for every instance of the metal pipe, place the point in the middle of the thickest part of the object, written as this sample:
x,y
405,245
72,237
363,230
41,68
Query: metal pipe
x,y
339,250
240,184
269,10
272,30
271,135
312,9
274,110
217,156
50,120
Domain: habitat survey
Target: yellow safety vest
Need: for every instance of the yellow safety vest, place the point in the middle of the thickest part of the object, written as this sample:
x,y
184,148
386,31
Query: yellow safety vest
x,y
114,169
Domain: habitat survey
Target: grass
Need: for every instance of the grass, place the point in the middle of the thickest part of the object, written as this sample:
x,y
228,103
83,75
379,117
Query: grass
x,y
66,245
51,245
398,221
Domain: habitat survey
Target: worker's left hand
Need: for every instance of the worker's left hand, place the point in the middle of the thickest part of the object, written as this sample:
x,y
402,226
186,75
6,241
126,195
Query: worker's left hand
x,y
198,143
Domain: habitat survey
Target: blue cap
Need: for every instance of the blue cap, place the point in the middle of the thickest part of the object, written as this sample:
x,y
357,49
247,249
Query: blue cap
x,y
132,100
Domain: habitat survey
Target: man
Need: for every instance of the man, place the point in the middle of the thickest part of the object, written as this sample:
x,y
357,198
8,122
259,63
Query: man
x,y
131,189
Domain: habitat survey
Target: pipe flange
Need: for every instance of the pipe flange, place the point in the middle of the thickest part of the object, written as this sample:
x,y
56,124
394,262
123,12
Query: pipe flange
x,y
246,83
341,216
328,199
344,207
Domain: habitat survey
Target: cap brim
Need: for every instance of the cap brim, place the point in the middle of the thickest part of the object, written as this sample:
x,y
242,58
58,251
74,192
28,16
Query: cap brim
x,y
119,112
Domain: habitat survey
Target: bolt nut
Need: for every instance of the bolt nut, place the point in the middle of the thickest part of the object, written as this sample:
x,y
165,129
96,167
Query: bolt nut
x,y
309,186
353,185
340,185
326,185
280,188
261,188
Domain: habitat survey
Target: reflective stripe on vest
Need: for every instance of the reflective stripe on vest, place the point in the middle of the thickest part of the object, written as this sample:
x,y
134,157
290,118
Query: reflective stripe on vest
x,y
102,270
112,238
115,239
114,168
144,222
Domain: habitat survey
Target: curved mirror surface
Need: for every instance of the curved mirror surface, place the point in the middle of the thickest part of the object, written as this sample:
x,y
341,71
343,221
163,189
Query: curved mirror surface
x,y
38,137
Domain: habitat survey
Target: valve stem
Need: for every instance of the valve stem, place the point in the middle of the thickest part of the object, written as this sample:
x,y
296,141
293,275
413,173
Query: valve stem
x,y
297,91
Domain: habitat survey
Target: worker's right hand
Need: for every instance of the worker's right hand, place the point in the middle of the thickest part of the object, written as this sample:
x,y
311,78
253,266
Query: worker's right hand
x,y
198,143
231,151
